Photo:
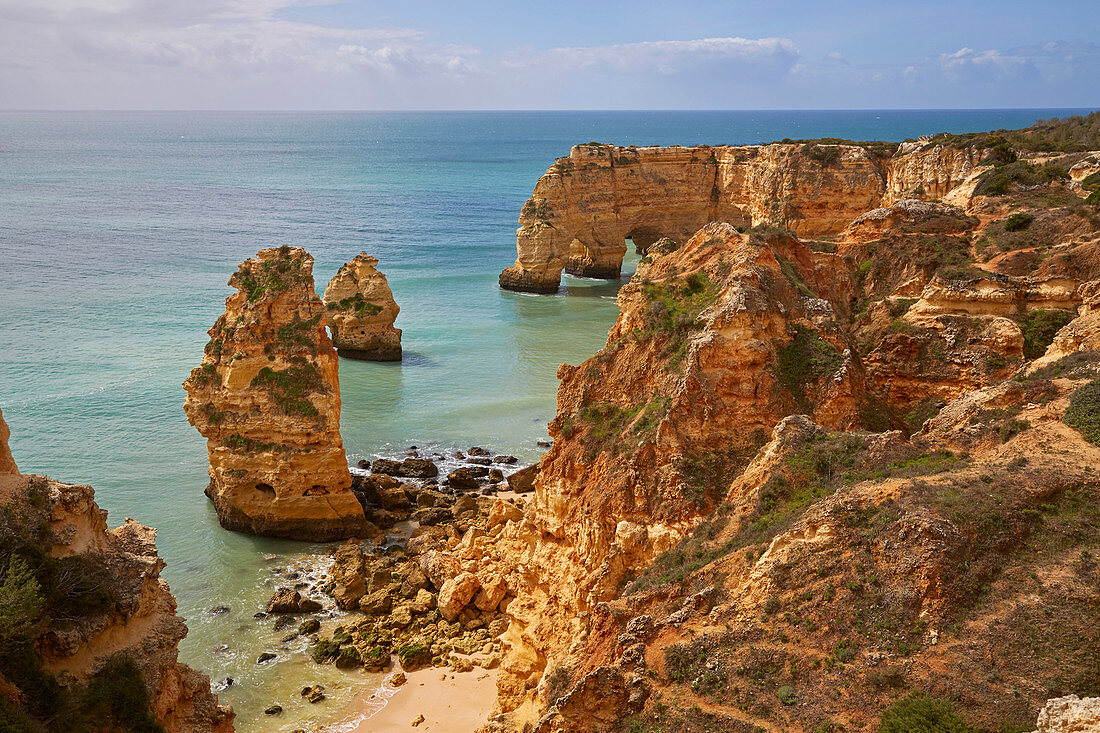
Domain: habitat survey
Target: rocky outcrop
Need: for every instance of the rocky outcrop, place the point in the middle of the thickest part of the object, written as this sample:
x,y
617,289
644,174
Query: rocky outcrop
x,y
716,342
360,311
1070,714
587,204
683,488
267,399
7,463
99,618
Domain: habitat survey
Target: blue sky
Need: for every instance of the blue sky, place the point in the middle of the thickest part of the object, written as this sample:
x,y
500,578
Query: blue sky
x,y
480,54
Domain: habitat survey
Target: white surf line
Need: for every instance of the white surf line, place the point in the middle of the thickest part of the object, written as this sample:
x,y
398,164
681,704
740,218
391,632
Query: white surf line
x,y
374,705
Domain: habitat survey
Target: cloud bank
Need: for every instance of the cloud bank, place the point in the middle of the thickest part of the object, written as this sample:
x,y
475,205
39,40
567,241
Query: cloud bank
x,y
246,54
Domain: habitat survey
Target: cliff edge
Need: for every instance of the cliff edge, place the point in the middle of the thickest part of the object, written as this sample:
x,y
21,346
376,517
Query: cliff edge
x,y
88,629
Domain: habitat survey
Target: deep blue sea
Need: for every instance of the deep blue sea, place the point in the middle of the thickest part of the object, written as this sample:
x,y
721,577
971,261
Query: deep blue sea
x,y
118,232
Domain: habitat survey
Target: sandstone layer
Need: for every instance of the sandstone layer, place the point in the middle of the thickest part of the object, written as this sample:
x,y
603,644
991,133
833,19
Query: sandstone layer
x,y
267,400
360,311
99,618
587,204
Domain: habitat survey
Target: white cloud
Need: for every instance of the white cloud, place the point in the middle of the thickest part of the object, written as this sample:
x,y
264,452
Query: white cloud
x,y
661,57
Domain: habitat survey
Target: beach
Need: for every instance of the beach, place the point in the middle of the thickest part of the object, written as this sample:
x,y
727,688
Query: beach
x,y
449,701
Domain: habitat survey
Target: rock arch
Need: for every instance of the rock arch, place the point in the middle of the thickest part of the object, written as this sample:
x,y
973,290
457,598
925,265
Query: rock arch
x,y
587,204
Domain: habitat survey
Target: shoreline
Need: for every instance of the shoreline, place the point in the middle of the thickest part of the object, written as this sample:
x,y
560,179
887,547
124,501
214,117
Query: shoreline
x,y
449,701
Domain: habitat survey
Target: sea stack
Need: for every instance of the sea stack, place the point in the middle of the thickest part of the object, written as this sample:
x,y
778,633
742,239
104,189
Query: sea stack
x,y
267,399
361,312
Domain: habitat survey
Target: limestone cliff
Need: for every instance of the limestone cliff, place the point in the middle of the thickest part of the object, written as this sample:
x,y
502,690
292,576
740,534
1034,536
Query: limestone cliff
x,y
267,399
360,311
700,556
587,204
88,621
716,342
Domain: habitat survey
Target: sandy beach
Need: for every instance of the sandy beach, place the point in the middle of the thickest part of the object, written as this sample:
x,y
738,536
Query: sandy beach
x,y
455,703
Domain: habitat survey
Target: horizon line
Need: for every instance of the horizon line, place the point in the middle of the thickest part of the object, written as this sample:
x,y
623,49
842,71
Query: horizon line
x,y
546,111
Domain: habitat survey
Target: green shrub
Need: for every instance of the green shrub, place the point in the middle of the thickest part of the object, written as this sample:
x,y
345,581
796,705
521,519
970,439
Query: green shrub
x,y
919,713
21,602
1083,413
1005,178
239,442
787,695
356,303
1040,327
291,387
805,359
117,693
823,155
15,720
1067,135
274,275
1018,222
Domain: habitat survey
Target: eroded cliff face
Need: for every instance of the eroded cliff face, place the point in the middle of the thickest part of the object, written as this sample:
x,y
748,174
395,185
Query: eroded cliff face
x,y
700,554
587,204
360,310
716,342
267,400
97,618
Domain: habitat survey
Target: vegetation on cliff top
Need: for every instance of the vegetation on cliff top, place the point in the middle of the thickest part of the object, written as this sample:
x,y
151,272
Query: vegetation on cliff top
x,y
1066,135
272,276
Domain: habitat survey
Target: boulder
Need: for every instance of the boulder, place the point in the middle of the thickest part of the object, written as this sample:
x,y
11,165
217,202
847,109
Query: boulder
x,y
463,505
493,590
432,516
523,480
288,600
456,593
429,498
387,467
439,567
423,602
503,511
378,603
418,468
508,460
466,478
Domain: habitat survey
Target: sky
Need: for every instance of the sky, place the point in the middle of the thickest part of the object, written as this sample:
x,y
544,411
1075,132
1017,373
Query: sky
x,y
554,54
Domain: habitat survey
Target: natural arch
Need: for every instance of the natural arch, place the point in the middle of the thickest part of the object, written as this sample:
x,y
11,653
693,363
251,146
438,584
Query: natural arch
x,y
587,204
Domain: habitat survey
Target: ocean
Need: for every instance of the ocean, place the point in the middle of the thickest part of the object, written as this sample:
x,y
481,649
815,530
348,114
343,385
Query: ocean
x,y
118,232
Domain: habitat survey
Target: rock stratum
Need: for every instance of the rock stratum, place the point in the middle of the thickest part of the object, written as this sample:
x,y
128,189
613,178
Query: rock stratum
x,y
587,204
818,484
89,629
360,310
267,400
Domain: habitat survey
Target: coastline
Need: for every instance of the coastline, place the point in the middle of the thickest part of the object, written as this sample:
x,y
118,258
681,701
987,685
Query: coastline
x,y
453,702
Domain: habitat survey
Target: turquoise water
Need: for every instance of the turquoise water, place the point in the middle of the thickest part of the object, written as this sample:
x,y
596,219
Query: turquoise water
x,y
118,232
